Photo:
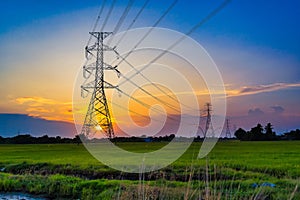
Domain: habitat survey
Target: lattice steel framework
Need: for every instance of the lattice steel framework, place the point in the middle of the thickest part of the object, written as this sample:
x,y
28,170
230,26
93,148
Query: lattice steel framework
x,y
208,125
228,133
97,117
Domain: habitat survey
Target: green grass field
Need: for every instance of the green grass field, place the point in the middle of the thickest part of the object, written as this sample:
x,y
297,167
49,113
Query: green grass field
x,y
229,172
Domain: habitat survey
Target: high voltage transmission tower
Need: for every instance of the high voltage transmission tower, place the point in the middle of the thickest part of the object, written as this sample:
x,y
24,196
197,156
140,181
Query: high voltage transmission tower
x,y
97,117
208,125
228,133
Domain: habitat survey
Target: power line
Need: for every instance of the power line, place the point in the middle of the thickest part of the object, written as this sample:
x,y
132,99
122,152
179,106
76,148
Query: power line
x,y
136,85
214,12
140,102
157,111
146,106
208,17
97,21
131,111
147,92
92,105
150,30
204,20
122,18
153,84
133,22
108,15
149,107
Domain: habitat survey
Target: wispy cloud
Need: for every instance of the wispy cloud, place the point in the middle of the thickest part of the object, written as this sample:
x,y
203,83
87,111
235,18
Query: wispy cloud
x,y
246,90
255,112
277,109
49,109
249,90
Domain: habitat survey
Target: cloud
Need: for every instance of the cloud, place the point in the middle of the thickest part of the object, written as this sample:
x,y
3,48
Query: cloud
x,y
277,109
246,90
48,109
249,90
35,101
255,112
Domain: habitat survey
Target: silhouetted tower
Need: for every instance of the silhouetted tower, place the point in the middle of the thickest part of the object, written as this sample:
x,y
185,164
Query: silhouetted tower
x,y
208,126
97,117
228,133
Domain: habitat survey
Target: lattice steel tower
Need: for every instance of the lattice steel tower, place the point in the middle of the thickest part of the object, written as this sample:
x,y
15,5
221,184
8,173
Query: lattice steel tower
x,y
208,125
228,133
97,117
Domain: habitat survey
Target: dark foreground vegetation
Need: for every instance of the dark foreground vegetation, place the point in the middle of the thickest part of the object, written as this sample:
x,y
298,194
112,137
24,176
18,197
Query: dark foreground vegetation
x,y
233,170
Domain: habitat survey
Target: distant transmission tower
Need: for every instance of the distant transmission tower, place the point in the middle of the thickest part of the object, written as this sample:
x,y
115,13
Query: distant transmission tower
x,y
208,125
97,117
228,133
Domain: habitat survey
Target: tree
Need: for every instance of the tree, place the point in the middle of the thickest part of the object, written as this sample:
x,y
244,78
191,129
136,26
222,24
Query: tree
x,y
2,140
256,133
293,135
21,139
78,138
270,135
241,134
44,139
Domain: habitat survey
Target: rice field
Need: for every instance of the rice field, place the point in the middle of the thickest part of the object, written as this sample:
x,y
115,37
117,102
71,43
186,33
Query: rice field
x,y
233,170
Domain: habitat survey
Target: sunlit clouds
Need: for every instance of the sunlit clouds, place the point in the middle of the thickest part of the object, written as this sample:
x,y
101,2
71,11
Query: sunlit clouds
x,y
250,90
46,108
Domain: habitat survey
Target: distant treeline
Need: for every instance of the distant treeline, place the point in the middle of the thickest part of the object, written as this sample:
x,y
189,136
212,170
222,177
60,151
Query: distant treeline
x,y
166,138
28,139
260,133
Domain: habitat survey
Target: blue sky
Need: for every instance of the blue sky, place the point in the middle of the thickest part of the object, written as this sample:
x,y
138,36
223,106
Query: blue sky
x,y
255,44
262,23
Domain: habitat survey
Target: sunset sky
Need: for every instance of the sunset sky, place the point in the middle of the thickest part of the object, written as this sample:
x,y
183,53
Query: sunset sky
x,y
255,44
